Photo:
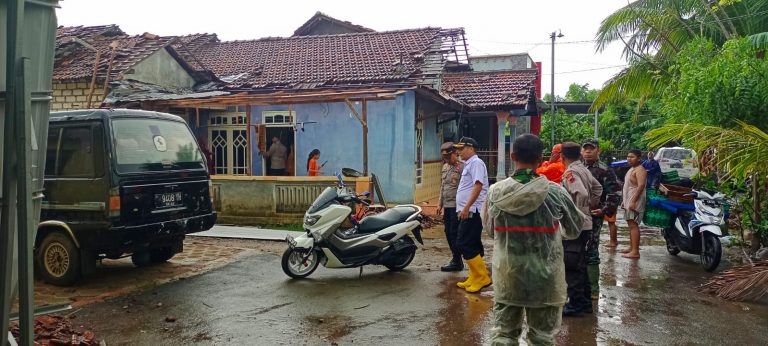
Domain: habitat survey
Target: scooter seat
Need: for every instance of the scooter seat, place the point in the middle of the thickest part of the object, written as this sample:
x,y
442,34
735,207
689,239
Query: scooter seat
x,y
388,218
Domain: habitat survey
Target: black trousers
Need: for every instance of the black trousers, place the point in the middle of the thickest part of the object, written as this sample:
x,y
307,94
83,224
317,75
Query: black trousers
x,y
276,172
451,223
576,275
468,237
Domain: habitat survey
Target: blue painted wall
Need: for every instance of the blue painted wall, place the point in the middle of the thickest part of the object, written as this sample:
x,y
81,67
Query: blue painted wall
x,y
338,135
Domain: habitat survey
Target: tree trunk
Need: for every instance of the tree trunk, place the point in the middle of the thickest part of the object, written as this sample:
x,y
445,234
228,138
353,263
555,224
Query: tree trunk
x,y
717,19
756,212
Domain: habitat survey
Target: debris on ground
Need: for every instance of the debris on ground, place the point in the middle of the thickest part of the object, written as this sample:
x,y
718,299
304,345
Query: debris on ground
x,y
747,282
56,330
170,318
428,221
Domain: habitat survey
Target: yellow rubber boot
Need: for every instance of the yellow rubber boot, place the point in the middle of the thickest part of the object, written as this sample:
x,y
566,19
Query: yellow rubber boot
x,y
472,277
482,279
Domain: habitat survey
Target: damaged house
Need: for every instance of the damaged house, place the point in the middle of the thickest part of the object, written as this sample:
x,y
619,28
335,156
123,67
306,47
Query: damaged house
x,y
380,102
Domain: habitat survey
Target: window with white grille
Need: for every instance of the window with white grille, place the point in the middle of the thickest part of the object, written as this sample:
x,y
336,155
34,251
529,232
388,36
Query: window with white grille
x,y
228,140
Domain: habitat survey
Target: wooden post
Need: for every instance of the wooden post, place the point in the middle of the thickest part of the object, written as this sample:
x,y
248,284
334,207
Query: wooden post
x,y
365,137
93,78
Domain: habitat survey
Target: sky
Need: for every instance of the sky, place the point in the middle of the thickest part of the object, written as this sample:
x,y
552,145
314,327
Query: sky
x,y
492,27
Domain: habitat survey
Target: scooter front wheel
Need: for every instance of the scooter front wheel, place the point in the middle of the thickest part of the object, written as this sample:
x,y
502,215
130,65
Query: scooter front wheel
x,y
711,251
671,246
299,264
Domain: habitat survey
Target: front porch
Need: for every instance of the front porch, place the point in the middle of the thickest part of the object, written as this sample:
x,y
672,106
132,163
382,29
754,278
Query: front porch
x,y
255,200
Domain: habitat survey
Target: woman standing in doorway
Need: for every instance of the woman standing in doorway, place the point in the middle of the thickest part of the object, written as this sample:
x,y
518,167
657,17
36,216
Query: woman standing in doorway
x,y
313,169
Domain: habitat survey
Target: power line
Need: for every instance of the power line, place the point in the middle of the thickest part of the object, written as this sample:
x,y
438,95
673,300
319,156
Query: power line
x,y
621,36
585,70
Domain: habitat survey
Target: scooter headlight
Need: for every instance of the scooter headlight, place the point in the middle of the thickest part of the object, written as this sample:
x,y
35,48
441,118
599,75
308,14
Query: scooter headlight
x,y
311,220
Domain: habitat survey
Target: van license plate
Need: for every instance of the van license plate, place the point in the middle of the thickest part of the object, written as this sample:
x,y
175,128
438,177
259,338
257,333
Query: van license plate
x,y
171,199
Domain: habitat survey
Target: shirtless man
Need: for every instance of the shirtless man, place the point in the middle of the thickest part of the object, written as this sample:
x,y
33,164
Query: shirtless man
x,y
634,202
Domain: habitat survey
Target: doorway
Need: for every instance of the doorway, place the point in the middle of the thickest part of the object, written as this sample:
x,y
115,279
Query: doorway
x,y
281,125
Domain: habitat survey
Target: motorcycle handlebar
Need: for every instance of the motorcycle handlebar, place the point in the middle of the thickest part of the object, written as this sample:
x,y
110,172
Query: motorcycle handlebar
x,y
338,176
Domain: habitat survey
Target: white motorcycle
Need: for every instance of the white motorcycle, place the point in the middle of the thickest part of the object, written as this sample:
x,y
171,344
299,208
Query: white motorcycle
x,y
381,239
697,231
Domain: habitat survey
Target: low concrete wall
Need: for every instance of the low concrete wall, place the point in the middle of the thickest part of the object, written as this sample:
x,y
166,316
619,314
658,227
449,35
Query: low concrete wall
x,y
253,200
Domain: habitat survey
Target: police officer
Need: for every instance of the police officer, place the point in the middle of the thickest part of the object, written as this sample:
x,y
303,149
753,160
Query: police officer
x,y
585,191
449,182
610,199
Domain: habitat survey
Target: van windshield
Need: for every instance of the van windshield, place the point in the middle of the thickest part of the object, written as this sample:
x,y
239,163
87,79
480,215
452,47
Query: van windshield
x,y
153,145
676,154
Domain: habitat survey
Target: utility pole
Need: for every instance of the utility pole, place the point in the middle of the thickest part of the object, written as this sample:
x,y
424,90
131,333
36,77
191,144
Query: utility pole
x,y
552,36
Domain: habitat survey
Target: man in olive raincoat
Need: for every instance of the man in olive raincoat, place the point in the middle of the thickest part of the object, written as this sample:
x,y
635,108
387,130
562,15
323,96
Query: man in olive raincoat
x,y
528,217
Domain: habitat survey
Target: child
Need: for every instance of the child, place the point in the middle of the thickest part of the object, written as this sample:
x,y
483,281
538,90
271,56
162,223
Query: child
x,y
312,168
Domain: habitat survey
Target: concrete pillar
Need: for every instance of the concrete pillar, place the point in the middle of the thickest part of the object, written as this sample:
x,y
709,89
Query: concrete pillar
x,y
501,169
512,135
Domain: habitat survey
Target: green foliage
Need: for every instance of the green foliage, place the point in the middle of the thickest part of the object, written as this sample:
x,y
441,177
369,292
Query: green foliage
x,y
718,86
548,98
759,41
580,93
621,126
653,32
568,127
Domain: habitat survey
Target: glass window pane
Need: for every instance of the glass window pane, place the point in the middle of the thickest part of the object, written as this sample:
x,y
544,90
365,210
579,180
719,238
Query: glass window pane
x,y
76,157
52,151
143,145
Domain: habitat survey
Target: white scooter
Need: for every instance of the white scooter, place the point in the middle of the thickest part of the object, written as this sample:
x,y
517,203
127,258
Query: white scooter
x,y
698,232
377,239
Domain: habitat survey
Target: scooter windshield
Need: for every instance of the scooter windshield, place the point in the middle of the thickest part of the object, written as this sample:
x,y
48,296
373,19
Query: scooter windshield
x,y
326,197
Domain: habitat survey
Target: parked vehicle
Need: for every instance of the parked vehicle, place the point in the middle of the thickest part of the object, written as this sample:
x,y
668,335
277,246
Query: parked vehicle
x,y
119,182
381,239
682,160
697,231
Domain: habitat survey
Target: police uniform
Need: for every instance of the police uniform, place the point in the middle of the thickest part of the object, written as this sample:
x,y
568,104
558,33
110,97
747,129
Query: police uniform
x,y
449,182
609,201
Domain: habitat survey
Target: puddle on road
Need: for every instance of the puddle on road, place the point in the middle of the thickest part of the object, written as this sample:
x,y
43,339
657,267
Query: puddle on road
x,y
465,318
331,328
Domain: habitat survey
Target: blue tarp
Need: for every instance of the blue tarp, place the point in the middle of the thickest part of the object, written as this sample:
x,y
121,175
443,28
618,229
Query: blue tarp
x,y
670,206
619,164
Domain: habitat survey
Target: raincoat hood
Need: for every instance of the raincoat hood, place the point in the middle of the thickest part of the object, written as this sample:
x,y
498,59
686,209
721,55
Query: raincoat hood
x,y
513,197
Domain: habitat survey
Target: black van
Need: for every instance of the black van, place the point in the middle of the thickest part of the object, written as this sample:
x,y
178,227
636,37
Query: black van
x,y
119,182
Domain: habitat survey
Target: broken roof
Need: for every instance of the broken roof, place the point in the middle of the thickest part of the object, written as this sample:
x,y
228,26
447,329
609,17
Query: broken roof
x,y
493,90
318,19
308,62
76,50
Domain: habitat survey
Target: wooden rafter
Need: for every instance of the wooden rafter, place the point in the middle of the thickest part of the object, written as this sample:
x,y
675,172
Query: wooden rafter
x,y
286,98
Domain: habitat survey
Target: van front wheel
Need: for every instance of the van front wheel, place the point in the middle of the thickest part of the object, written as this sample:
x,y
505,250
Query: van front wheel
x,y
59,259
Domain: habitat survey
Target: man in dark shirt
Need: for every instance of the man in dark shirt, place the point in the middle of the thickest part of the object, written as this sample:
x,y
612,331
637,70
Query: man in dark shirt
x,y
654,171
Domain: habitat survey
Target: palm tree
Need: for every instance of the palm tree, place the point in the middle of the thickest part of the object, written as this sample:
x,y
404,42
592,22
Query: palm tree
x,y
740,152
654,31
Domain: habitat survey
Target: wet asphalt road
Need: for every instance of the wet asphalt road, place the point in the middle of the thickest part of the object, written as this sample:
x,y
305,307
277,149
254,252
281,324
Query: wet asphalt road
x,y
251,302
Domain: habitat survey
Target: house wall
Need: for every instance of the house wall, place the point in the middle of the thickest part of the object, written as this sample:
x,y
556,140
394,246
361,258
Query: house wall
x,y
501,62
70,95
430,186
338,135
161,69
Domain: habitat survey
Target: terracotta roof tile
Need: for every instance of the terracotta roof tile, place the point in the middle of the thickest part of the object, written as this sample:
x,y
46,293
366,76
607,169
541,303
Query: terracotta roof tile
x,y
491,89
75,61
329,60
